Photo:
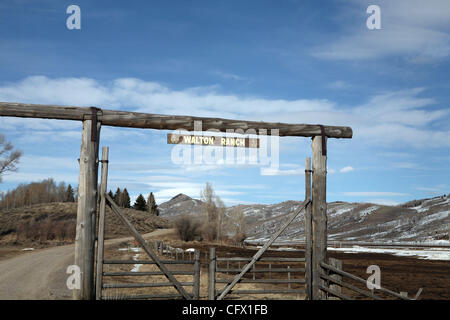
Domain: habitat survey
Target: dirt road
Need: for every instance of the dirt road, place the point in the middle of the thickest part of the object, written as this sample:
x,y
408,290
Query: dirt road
x,y
41,274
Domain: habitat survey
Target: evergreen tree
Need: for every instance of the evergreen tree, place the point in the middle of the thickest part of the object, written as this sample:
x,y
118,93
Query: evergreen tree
x,y
126,201
111,194
118,197
70,197
151,205
140,203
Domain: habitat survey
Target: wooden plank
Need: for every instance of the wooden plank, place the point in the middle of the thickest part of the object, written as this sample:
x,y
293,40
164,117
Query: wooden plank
x,y
212,274
335,293
101,224
279,270
143,285
213,140
353,277
261,251
145,296
149,273
319,214
164,122
86,214
266,259
300,281
147,249
147,262
338,265
308,230
349,286
196,288
264,291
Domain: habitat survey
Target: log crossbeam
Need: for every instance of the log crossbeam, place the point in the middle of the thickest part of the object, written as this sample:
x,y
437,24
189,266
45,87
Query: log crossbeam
x,y
165,122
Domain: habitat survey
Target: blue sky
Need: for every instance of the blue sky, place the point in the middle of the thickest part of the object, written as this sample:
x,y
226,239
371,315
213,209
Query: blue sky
x,y
285,61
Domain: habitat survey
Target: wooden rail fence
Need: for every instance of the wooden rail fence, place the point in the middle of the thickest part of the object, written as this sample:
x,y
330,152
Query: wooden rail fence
x,y
333,276
292,268
161,264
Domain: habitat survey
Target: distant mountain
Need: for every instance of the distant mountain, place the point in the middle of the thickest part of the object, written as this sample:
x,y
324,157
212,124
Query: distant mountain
x,y
179,205
418,220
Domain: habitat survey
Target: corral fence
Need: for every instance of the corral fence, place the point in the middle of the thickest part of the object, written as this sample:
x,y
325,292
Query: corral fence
x,y
274,275
334,280
178,262
163,268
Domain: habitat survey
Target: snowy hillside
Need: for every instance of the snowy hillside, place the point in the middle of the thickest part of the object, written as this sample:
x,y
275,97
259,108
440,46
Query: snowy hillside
x,y
418,220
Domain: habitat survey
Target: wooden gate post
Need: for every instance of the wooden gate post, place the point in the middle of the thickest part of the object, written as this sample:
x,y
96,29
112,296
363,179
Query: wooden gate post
x,y
212,274
308,229
196,286
86,210
319,212
335,287
101,224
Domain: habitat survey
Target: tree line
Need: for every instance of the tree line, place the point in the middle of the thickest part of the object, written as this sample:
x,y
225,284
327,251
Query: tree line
x,y
48,191
45,191
122,199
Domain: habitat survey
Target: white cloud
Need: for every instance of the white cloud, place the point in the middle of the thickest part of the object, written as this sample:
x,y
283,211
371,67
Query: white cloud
x,y
374,194
339,85
385,202
387,118
405,165
416,30
346,169
279,172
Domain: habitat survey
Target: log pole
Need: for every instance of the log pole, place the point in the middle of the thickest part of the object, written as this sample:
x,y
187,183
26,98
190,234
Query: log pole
x,y
319,213
86,212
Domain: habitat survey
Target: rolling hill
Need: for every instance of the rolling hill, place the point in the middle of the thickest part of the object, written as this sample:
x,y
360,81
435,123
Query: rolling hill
x,y
418,220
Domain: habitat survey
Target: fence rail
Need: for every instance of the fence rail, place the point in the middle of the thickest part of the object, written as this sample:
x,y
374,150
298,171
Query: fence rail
x,y
264,259
218,266
329,268
147,262
175,258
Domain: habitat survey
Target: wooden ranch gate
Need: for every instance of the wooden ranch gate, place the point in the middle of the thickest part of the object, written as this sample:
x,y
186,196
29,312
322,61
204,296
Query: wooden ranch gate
x,y
93,118
155,260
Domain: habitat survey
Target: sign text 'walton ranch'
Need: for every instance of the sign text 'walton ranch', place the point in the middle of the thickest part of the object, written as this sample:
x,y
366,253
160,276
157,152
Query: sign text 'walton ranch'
x,y
218,141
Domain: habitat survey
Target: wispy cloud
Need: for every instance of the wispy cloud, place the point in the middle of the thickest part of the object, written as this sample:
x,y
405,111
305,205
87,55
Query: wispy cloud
x,y
386,118
374,194
228,76
347,169
339,85
416,30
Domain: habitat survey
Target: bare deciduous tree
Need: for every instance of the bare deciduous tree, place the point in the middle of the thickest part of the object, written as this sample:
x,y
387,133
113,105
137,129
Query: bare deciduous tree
x,y
9,158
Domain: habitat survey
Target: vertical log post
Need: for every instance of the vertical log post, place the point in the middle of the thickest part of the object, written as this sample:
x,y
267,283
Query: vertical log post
x,y
101,224
86,211
212,274
196,287
335,287
319,212
289,278
308,231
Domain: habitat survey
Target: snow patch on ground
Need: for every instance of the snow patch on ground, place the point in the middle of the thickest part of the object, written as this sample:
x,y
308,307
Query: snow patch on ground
x,y
134,249
136,267
427,254
368,210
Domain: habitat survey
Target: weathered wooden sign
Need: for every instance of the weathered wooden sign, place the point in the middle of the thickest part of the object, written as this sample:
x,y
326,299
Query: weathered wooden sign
x,y
219,141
